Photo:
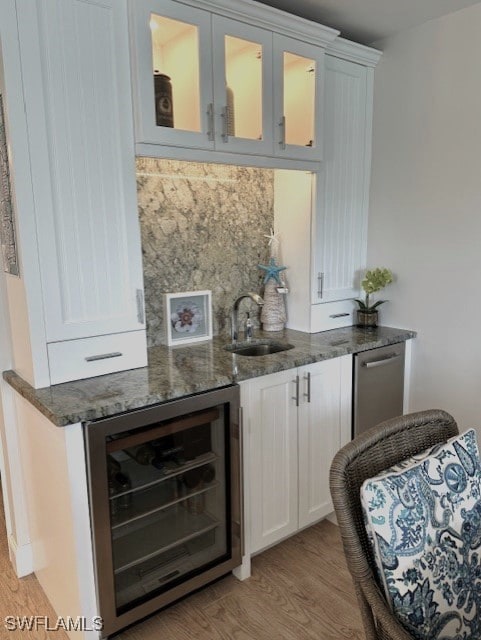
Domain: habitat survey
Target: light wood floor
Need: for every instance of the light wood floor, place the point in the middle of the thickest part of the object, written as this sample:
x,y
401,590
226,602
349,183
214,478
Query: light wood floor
x,y
299,590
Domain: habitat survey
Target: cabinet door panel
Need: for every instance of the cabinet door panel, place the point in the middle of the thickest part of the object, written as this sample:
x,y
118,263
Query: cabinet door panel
x,y
172,74
319,437
242,87
343,186
88,228
273,458
298,94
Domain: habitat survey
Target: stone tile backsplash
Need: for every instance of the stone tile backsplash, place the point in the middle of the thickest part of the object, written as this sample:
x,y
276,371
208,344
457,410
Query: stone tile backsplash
x,y
203,226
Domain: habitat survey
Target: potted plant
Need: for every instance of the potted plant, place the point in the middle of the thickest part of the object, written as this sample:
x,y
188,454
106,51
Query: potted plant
x,y
374,280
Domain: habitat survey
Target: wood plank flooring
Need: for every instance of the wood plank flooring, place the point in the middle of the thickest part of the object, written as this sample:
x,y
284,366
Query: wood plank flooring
x,y
22,597
299,590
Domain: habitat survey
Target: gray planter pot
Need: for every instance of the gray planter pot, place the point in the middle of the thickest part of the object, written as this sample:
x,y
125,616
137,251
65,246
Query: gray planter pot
x,y
367,319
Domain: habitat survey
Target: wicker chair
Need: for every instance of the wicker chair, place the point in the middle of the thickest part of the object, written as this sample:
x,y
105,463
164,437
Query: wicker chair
x,y
364,457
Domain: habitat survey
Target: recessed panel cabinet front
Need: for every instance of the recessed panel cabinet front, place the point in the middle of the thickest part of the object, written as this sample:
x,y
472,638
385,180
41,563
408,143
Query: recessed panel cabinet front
x,y
320,435
298,419
273,458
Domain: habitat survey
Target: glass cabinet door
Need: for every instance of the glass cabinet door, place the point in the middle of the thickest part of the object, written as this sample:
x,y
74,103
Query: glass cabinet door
x,y
173,74
298,94
242,87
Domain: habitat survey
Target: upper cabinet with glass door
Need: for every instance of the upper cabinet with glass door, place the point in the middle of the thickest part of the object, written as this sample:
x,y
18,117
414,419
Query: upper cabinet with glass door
x,y
203,81
298,90
172,74
223,75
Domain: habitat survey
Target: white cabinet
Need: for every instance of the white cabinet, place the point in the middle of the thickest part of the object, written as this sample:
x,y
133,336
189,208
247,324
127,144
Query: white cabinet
x,y
76,81
219,76
323,216
206,78
296,420
343,187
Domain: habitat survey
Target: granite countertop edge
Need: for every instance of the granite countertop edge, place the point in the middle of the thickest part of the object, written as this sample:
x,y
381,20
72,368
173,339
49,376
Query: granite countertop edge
x,y
173,373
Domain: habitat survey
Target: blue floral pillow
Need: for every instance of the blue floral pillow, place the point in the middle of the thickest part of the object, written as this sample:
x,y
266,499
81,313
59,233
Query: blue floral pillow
x,y
423,520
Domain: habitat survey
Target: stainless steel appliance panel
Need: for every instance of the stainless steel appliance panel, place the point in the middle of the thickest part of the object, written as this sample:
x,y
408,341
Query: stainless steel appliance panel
x,y
378,386
165,496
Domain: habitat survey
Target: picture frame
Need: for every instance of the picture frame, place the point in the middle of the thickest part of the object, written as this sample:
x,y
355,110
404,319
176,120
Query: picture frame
x,y
188,317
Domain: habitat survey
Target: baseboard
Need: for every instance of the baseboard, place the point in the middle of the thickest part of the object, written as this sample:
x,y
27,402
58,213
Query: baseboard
x,y
332,518
20,557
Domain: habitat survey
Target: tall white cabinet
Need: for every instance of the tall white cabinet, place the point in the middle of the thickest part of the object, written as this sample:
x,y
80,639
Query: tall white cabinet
x,y
294,423
76,87
330,223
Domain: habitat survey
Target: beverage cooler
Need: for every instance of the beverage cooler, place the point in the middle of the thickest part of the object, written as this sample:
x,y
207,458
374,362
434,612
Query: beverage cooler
x,y
165,502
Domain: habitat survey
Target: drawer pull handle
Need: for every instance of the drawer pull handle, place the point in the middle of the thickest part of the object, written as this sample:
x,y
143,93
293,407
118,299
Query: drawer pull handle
x,y
339,315
380,363
104,356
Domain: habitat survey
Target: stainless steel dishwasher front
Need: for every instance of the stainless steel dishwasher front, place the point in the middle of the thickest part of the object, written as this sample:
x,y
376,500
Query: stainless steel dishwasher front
x,y
378,386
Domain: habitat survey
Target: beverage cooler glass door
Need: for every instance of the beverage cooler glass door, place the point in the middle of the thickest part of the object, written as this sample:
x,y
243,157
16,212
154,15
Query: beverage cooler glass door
x,y
165,502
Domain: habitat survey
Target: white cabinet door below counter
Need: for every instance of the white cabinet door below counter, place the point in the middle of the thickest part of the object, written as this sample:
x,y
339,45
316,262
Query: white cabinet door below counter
x,y
297,420
273,458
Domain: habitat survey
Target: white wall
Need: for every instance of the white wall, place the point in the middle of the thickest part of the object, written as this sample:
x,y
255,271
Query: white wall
x,y
425,213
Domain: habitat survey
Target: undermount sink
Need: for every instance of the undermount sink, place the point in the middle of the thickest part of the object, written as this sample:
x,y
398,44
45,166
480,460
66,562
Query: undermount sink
x,y
258,349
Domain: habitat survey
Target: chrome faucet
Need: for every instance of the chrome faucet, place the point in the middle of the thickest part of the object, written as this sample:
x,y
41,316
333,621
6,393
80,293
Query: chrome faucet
x,y
253,296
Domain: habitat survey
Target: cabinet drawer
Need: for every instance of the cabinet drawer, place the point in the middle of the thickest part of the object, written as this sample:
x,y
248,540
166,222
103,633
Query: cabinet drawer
x,y
332,315
88,357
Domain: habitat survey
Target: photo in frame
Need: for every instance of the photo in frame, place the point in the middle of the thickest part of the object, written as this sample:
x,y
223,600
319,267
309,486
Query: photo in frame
x,y
188,317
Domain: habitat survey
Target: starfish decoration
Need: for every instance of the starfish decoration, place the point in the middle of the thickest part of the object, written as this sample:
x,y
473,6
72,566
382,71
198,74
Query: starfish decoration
x,y
272,271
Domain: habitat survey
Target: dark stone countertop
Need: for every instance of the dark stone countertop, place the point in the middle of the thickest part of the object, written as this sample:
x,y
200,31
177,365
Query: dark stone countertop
x,y
180,371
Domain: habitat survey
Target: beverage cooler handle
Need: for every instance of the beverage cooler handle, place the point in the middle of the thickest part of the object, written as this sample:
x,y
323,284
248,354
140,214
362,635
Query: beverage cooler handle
x,y
162,429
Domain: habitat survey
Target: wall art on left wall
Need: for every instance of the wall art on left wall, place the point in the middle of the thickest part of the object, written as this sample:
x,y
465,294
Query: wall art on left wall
x,y
7,223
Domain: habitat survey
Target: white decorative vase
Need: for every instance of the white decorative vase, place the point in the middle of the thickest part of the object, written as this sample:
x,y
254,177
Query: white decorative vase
x,y
273,314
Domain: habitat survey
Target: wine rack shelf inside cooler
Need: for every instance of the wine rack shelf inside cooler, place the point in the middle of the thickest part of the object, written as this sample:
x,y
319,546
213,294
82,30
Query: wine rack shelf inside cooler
x,y
168,529
150,494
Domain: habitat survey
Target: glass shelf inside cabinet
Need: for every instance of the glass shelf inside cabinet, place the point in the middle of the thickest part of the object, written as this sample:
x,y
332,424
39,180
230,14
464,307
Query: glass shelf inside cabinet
x,y
243,70
299,99
175,59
